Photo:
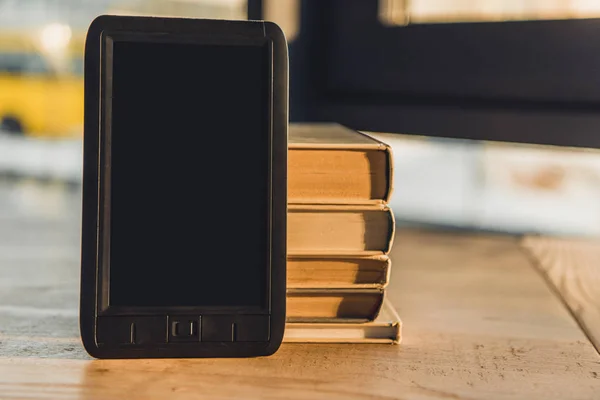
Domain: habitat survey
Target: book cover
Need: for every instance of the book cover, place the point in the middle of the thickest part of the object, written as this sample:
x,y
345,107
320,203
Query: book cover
x,y
331,164
359,230
387,328
333,305
342,272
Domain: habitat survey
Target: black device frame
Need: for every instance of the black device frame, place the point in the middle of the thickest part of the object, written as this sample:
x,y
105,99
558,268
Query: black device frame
x,y
94,304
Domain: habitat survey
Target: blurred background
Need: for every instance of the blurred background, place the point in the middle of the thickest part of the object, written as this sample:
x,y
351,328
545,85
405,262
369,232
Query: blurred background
x,y
486,135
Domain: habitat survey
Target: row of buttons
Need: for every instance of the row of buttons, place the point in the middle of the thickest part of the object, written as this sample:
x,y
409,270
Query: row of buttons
x,y
144,330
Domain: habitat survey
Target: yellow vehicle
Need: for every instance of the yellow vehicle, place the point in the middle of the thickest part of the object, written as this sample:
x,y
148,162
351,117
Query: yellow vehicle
x,y
41,83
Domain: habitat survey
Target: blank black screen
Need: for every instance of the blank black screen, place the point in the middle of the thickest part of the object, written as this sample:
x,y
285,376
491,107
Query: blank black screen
x,y
188,174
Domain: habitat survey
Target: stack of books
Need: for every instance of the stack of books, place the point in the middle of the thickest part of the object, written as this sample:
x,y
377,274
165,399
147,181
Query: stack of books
x,y
340,231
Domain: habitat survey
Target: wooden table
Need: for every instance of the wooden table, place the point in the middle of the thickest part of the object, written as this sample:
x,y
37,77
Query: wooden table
x,y
482,320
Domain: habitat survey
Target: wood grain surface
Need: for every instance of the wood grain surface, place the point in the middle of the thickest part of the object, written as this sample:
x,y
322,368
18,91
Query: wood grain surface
x,y
573,268
479,323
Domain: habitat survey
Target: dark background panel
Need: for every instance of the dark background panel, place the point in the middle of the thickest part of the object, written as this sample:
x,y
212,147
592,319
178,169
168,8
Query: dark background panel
x,y
525,60
523,81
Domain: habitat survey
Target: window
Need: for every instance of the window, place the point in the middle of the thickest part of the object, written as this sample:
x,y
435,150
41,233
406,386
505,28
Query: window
x,y
23,63
402,12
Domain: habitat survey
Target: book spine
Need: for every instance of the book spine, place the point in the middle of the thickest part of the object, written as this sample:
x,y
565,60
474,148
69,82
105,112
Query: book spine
x,y
391,230
390,165
390,174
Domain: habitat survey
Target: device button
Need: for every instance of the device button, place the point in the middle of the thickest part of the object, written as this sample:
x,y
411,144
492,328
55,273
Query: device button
x,y
149,330
252,328
113,330
240,328
184,328
217,328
